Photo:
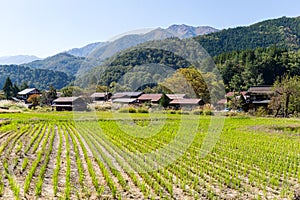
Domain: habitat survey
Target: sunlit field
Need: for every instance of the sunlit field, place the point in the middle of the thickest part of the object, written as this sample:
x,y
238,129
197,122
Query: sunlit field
x,y
97,156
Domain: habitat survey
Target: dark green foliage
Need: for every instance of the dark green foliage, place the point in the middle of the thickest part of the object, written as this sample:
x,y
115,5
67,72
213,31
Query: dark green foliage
x,y
48,96
164,101
284,32
142,56
242,69
39,78
71,91
8,88
23,86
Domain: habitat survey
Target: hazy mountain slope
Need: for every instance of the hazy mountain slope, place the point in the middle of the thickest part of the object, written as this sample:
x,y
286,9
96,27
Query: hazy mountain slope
x,y
86,50
62,62
19,59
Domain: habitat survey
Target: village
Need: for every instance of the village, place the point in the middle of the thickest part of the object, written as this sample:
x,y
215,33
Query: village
x,y
255,99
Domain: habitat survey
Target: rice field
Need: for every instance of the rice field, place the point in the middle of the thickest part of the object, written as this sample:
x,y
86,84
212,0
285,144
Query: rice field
x,y
51,156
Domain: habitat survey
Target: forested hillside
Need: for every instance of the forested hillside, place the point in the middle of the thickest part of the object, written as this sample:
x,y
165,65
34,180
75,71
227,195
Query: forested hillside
x,y
39,78
62,62
262,66
284,32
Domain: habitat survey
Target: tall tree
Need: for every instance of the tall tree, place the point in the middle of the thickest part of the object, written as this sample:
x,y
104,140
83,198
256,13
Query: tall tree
x,y
8,88
48,96
23,86
164,101
287,93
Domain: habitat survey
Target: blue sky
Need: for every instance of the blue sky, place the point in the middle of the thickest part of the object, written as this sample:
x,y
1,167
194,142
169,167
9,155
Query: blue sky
x,y
46,27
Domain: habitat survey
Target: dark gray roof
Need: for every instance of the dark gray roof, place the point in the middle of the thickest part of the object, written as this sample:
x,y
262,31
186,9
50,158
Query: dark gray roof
x,y
65,99
260,90
127,94
186,101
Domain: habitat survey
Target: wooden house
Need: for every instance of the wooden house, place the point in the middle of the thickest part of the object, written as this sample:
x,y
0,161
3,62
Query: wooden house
x,y
69,104
125,100
149,98
186,103
25,94
259,96
127,95
176,96
101,96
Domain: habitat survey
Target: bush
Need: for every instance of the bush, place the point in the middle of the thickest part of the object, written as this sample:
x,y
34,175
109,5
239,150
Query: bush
x,y
261,112
100,107
142,110
208,112
181,112
127,110
198,112
172,112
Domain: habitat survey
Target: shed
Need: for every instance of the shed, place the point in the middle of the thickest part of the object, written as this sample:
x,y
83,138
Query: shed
x,y
69,104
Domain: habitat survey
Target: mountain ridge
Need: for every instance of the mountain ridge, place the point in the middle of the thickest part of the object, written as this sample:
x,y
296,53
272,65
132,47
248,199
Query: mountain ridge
x,y
17,59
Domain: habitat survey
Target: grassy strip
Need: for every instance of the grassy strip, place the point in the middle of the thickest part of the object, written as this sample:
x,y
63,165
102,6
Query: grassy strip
x,y
12,183
38,188
35,164
99,189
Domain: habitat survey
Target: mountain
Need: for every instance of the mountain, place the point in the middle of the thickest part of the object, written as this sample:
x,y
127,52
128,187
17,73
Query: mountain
x,y
180,31
185,31
62,62
17,60
283,32
86,50
250,55
39,78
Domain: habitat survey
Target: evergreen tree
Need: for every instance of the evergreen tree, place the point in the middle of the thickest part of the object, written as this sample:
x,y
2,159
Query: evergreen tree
x,y
15,90
8,88
164,101
24,86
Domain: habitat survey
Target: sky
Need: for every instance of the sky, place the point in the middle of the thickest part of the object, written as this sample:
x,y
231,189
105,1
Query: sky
x,y
46,27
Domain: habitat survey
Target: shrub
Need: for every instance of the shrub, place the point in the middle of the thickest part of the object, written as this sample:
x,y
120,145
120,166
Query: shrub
x,y
172,112
181,112
208,112
142,110
261,112
127,110
198,112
